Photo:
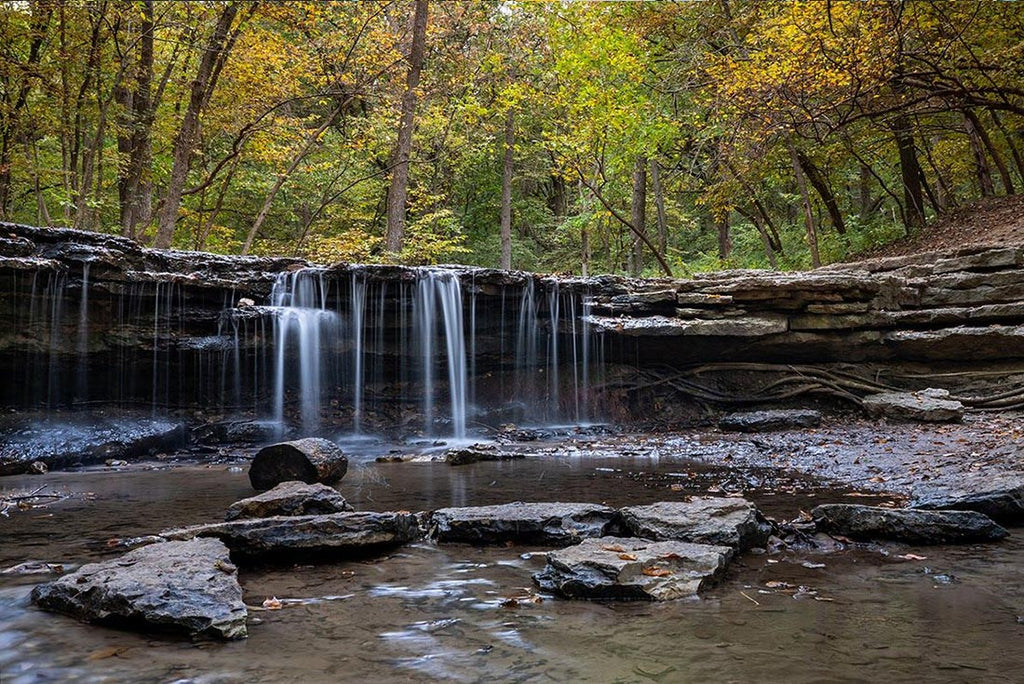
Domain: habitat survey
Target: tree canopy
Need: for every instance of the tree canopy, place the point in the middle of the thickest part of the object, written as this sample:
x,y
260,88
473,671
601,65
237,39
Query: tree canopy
x,y
655,137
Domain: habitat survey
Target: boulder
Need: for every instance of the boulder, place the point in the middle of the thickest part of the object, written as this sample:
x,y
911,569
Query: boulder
x,y
475,453
929,405
290,498
1000,497
235,432
723,521
766,421
559,524
188,586
308,460
907,525
617,568
333,534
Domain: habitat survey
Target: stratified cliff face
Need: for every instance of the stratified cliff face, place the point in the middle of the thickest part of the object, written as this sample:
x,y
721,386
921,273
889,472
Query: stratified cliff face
x,y
91,319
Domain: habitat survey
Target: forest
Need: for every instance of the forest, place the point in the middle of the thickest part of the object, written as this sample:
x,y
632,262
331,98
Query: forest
x,y
575,137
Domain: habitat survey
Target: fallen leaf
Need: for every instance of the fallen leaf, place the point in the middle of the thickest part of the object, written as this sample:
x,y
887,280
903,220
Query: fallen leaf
x,y
774,584
272,604
616,548
912,557
627,556
656,572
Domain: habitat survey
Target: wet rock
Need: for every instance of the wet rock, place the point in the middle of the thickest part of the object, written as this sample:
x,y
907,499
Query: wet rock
x,y
559,524
870,523
290,499
308,460
235,432
88,440
34,568
616,568
38,468
999,497
334,534
115,463
476,453
723,521
186,586
929,405
766,421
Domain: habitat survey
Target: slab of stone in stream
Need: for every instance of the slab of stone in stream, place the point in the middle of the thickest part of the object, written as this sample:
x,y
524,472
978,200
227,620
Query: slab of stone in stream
x,y
336,534
725,521
476,453
1000,497
929,405
290,498
558,524
308,460
188,586
618,568
767,421
912,526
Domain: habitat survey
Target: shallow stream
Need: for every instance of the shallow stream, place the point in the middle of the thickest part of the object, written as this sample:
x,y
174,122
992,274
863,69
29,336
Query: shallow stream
x,y
442,613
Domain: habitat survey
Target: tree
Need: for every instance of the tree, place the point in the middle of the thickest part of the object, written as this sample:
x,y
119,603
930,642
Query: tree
x,y
399,164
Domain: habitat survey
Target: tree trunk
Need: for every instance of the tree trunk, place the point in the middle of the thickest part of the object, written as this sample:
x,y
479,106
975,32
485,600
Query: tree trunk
x,y
724,239
399,187
979,130
910,171
820,184
638,215
801,183
1017,160
506,192
215,53
659,207
135,199
981,169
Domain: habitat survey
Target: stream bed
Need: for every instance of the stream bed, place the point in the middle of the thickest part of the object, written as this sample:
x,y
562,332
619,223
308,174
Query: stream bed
x,y
457,613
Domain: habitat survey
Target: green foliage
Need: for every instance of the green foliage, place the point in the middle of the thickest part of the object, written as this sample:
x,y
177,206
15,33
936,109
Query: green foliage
x,y
723,97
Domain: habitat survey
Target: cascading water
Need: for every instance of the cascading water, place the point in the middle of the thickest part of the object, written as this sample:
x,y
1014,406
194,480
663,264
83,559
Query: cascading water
x,y
364,349
301,320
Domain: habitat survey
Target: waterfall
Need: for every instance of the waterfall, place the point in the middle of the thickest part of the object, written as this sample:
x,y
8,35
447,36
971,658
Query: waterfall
x,y
358,336
301,321
432,288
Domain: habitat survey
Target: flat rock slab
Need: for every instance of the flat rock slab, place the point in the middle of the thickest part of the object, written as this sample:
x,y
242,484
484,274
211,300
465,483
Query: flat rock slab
x,y
912,526
930,406
307,460
558,524
476,453
290,498
188,586
1000,498
617,568
49,444
767,421
334,534
724,521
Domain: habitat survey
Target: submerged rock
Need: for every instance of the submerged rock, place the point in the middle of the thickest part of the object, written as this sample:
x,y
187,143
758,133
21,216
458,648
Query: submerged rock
x,y
189,586
308,460
766,421
908,525
335,534
725,521
560,524
475,453
290,498
999,497
929,405
616,568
